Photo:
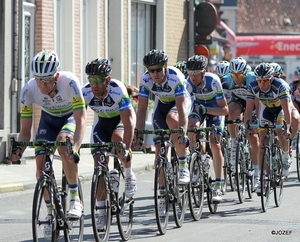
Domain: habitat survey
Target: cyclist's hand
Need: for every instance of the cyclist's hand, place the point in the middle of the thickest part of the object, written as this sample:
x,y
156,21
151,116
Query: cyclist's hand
x,y
16,153
201,109
127,156
139,142
76,157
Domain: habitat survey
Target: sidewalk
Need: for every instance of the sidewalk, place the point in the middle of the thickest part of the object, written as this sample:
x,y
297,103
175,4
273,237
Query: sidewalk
x,y
21,177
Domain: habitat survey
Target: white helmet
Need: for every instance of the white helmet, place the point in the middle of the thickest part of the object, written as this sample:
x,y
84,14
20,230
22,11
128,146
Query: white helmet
x,y
248,68
222,68
277,68
45,63
238,65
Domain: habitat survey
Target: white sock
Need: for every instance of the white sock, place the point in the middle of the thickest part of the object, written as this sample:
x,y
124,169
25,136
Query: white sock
x,y
128,172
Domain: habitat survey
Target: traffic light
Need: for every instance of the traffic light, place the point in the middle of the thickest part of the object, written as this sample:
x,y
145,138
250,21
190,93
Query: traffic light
x,y
205,21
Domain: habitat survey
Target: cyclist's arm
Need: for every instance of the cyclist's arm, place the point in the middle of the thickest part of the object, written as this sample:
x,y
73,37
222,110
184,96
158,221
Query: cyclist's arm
x,y
128,119
141,112
80,120
221,110
181,104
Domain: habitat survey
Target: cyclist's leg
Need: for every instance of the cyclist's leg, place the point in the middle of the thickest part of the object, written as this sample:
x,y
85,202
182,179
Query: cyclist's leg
x,y
235,109
254,143
102,132
172,120
284,144
130,187
218,158
47,130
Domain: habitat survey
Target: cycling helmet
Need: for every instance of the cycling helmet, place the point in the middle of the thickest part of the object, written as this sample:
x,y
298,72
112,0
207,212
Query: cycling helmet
x,y
222,68
98,66
263,71
45,63
238,65
181,65
196,62
248,68
277,68
155,57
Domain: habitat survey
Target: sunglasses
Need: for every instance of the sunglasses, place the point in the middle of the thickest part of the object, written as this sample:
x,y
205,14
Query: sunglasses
x,y
263,80
97,80
157,70
44,79
194,72
238,75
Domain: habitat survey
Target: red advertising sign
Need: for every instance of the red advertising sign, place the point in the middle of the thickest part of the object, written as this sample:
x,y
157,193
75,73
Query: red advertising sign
x,y
267,45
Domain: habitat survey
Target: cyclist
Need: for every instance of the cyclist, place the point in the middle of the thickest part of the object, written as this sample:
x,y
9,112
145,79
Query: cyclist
x,y
63,114
222,69
209,101
167,83
237,81
181,65
115,121
274,106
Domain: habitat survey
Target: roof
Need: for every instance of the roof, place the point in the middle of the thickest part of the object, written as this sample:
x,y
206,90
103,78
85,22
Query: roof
x,y
261,17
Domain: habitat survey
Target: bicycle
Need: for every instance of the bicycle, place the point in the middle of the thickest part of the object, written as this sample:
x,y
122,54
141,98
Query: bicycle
x,y
226,151
298,155
56,217
271,179
201,181
166,189
244,172
114,190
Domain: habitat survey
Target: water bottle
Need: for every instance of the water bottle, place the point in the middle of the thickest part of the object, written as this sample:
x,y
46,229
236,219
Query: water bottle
x,y
114,180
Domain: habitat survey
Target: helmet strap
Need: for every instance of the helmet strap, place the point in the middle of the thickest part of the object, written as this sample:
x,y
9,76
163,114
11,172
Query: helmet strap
x,y
54,89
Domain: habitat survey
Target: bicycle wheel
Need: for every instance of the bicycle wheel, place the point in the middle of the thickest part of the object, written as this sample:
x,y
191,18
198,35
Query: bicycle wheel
x,y
196,187
298,156
180,198
77,225
249,177
100,234
227,174
44,220
211,205
124,212
277,177
265,180
240,174
161,198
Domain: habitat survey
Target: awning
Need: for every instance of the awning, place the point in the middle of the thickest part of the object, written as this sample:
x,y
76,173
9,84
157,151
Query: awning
x,y
268,45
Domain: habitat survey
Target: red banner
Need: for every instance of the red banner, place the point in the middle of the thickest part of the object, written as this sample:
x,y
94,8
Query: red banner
x,y
267,45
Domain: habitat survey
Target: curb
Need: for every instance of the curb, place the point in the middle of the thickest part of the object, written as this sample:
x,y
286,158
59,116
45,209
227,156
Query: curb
x,y
15,187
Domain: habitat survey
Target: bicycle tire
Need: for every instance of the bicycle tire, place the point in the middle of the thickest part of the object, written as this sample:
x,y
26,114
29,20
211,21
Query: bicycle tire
x,y
227,174
124,212
211,205
240,175
277,177
100,177
249,178
180,197
196,187
298,156
76,233
265,180
160,180
40,211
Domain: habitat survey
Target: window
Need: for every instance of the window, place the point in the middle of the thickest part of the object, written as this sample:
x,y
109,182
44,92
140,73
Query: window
x,y
143,22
